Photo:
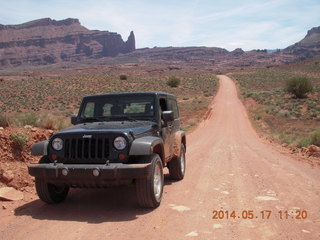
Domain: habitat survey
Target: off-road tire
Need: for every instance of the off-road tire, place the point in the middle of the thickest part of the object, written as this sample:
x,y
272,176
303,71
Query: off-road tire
x,y
176,168
149,190
49,192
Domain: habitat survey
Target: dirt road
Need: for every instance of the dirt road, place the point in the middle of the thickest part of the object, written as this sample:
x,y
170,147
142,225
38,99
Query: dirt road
x,y
229,168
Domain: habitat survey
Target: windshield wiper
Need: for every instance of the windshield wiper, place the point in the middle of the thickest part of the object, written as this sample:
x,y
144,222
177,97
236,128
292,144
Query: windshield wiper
x,y
123,118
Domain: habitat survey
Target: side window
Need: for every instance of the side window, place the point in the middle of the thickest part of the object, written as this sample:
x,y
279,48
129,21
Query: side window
x,y
142,108
163,104
88,110
173,107
106,110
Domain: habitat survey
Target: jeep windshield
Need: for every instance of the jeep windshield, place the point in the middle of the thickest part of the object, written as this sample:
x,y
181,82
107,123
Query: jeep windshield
x,y
118,108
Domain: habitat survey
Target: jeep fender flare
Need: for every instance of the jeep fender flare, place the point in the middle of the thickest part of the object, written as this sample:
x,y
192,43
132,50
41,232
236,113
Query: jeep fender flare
x,y
146,146
179,138
40,148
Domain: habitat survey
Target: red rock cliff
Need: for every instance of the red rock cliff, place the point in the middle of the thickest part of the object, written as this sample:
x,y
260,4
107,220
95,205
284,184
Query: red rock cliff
x,y
47,41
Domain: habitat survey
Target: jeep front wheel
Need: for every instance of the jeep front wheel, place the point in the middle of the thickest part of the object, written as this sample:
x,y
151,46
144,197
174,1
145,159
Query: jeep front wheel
x,y
50,193
149,190
177,165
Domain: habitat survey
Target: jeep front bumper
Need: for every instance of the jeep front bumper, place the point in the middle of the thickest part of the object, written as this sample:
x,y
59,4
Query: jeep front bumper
x,y
89,175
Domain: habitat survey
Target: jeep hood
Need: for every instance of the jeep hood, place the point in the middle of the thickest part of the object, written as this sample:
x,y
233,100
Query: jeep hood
x,y
134,127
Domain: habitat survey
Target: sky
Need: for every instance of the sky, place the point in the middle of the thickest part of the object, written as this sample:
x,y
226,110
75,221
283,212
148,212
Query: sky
x,y
229,24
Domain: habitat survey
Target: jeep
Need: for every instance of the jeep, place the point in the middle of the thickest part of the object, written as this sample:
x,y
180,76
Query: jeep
x,y
116,139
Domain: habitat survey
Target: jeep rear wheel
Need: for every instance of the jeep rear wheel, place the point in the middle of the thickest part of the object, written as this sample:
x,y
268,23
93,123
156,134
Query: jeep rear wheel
x,y
177,166
149,190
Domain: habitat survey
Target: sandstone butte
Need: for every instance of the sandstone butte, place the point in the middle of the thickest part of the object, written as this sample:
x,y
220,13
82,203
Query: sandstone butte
x,y
47,41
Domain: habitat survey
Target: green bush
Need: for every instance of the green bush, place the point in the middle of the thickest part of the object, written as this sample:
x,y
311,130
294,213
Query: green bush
x,y
123,77
4,121
315,138
299,86
173,82
19,140
304,142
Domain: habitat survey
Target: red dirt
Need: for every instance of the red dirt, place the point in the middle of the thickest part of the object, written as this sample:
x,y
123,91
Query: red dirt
x,y
228,168
13,161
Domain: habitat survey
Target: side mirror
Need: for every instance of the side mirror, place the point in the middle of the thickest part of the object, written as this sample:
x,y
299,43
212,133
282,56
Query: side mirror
x,y
167,116
74,120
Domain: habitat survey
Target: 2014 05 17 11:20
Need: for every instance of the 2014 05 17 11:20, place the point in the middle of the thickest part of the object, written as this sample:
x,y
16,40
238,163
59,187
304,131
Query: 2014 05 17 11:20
x,y
264,214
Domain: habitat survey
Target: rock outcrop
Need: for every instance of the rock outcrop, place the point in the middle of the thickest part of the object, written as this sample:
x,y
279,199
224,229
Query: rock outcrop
x,y
308,47
47,41
238,52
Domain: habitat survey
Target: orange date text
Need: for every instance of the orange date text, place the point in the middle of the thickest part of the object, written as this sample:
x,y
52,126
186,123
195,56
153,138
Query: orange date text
x,y
263,214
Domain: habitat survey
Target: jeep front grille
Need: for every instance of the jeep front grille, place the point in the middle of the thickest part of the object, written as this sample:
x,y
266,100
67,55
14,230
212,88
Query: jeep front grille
x,y
86,149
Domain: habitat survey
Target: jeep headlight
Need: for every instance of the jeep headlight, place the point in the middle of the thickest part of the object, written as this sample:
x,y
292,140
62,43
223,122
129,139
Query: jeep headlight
x,y
120,143
57,144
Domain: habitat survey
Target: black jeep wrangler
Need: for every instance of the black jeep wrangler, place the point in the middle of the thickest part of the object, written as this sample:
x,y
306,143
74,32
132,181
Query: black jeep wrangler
x,y
116,139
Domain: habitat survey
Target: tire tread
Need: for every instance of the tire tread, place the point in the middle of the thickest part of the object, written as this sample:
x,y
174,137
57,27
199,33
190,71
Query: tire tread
x,y
174,167
144,187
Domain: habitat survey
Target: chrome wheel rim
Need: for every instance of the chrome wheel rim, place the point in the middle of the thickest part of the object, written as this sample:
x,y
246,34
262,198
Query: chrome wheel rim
x,y
182,163
157,181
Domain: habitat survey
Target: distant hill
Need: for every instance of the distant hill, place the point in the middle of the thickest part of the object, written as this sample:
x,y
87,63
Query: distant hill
x,y
217,58
308,47
220,58
47,41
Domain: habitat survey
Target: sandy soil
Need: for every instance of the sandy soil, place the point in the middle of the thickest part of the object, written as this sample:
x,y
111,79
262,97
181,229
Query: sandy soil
x,y
229,168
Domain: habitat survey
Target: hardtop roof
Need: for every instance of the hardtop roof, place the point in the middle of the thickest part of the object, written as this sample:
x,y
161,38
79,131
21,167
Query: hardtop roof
x,y
163,94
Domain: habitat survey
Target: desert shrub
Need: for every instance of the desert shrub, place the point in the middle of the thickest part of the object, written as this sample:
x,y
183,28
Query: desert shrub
x,y
299,86
62,124
19,140
173,82
315,138
284,114
123,77
47,122
304,142
4,121
28,119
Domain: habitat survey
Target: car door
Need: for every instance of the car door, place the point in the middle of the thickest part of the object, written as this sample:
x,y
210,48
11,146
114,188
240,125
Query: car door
x,y
175,124
173,106
166,130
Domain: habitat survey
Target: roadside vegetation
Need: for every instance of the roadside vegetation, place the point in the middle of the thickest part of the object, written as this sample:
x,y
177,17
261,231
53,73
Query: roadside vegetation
x,y
19,140
43,98
284,101
299,86
34,119
4,121
173,82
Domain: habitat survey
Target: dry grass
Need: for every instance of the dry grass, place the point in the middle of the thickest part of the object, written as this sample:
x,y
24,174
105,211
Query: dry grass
x,y
59,92
288,119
